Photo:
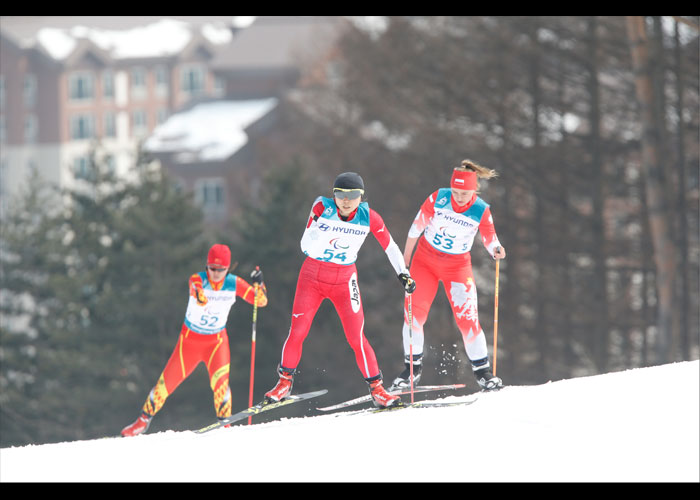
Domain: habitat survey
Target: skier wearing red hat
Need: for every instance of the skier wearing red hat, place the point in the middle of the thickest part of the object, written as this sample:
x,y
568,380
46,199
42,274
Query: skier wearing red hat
x,y
335,231
203,336
444,230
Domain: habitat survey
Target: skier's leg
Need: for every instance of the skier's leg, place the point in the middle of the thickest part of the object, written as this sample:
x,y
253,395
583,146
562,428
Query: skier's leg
x,y
307,299
462,295
180,365
348,303
414,339
218,366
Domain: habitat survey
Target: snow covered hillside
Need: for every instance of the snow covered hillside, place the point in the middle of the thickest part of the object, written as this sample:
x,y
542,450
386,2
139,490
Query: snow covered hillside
x,y
633,426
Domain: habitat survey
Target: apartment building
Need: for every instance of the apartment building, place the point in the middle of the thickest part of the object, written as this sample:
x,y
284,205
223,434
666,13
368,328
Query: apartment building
x,y
71,85
63,92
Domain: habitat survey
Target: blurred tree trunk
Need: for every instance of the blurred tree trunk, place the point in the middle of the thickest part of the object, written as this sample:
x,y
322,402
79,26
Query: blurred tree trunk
x,y
597,169
659,209
510,296
562,256
539,186
681,200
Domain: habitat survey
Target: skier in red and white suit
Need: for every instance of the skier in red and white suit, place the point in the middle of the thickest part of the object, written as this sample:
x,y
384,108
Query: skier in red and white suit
x,y
336,229
444,229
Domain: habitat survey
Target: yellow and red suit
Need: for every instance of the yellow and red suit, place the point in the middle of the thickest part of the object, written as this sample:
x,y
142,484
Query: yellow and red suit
x,y
203,339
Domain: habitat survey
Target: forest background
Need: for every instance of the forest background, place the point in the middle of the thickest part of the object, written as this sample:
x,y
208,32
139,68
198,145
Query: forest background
x,y
591,122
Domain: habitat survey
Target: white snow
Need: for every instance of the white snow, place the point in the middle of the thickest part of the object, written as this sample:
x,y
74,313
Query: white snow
x,y
162,38
58,43
210,131
639,425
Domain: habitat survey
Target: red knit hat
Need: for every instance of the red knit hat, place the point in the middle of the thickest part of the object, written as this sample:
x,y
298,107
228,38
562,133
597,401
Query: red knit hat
x,y
219,255
463,179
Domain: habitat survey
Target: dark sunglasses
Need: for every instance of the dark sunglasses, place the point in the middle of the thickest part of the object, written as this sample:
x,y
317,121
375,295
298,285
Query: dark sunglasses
x,y
216,269
351,194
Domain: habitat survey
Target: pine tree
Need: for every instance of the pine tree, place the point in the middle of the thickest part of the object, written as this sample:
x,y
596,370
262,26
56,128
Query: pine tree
x,y
94,295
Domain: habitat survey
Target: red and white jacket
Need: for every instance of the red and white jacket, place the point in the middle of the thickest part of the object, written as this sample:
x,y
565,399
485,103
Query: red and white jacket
x,y
450,228
331,238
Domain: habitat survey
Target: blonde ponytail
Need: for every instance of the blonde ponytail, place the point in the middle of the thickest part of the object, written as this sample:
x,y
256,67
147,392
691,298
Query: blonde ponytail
x,y
481,172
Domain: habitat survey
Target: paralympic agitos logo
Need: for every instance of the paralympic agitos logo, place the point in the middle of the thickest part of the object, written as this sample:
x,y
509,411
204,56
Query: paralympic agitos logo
x,y
338,244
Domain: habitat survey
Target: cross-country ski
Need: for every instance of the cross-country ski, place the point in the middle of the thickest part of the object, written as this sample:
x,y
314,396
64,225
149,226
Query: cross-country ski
x,y
260,408
395,392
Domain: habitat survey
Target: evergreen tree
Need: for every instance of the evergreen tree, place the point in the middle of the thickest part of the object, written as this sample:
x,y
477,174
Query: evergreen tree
x,y
94,296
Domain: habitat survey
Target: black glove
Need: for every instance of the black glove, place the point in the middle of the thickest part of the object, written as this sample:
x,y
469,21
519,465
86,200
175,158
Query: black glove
x,y
408,283
257,276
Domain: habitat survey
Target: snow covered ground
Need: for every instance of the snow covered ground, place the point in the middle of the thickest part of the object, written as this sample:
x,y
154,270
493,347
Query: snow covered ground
x,y
640,425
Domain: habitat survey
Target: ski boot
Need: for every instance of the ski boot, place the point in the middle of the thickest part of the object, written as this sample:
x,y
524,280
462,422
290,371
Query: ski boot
x,y
487,380
138,427
283,387
380,397
403,381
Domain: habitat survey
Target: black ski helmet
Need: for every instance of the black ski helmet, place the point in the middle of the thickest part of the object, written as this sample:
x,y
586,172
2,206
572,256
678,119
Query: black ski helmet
x,y
349,180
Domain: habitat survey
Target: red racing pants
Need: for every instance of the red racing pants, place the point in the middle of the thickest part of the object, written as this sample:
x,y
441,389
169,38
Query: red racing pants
x,y
193,348
338,283
428,268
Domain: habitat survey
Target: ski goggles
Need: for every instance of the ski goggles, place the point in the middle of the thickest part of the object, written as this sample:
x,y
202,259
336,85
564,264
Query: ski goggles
x,y
351,194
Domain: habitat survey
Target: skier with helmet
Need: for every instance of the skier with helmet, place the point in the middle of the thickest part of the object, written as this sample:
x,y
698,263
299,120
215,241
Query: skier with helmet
x,y
203,337
335,231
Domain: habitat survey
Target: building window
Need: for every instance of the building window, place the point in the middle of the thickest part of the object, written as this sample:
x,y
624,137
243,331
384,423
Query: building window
x,y
110,124
81,86
108,85
81,167
139,122
30,129
82,127
210,194
162,81
192,80
138,83
111,164
29,91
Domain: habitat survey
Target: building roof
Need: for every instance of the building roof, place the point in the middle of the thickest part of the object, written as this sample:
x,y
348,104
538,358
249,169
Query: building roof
x,y
249,42
116,37
208,131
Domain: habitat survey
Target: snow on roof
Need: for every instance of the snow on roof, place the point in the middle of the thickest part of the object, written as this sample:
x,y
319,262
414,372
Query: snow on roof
x,y
57,42
211,131
162,38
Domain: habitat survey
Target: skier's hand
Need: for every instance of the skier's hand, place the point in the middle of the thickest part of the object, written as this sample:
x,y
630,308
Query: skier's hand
x,y
499,253
261,295
409,285
198,293
257,276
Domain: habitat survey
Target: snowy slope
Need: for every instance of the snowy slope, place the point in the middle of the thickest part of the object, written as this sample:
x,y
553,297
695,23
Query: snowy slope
x,y
633,426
